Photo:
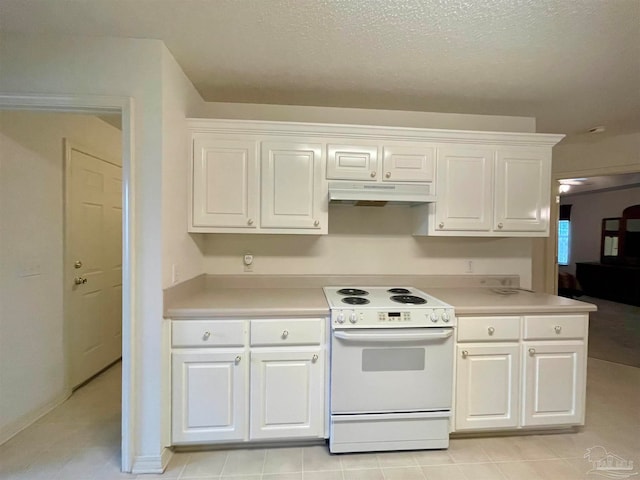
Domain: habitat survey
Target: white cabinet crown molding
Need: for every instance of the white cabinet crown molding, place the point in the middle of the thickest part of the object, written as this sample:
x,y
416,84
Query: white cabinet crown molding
x,y
297,129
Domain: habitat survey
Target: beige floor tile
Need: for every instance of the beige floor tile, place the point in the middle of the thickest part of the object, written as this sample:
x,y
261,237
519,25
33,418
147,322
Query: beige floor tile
x,y
516,448
280,476
366,474
283,460
244,462
443,472
318,458
481,471
397,459
468,450
200,464
358,461
540,470
432,457
322,475
403,473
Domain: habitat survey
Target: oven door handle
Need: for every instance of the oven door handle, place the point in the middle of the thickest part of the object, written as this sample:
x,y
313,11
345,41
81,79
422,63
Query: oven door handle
x,y
391,337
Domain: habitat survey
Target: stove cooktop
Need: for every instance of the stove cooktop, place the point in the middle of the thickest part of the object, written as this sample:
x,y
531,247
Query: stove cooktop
x,y
386,307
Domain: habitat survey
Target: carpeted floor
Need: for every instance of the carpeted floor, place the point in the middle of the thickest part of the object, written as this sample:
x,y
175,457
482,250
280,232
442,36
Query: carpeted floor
x,y
614,331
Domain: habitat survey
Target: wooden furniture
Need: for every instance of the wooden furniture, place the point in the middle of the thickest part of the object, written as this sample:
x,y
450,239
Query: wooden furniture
x,y
620,238
615,282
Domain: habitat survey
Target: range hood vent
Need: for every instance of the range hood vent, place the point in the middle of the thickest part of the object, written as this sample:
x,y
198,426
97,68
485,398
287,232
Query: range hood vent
x,y
380,194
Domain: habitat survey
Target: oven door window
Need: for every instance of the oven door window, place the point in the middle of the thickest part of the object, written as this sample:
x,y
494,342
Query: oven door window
x,y
392,359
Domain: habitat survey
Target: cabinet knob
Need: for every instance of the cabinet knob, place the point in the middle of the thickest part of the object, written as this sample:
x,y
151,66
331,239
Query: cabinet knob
x,y
314,358
500,225
387,175
285,334
373,174
491,330
465,353
206,335
316,223
77,264
532,351
558,328
238,358
441,225
250,221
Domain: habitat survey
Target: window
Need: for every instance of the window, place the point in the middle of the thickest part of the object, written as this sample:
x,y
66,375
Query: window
x,y
564,241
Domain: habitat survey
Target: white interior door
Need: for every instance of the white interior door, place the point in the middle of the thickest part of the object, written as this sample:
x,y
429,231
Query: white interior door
x,y
93,257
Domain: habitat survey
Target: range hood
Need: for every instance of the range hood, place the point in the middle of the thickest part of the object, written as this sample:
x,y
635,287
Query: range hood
x,y
380,194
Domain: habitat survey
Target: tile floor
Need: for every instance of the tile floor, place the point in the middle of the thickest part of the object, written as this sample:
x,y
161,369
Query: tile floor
x,y
80,441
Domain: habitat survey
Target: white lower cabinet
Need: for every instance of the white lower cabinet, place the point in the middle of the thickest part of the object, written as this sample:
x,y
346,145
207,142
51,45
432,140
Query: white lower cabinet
x,y
554,387
209,396
520,372
287,394
488,379
241,380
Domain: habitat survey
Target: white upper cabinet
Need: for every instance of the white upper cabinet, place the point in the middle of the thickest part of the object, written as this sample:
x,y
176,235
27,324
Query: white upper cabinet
x,y
464,189
400,162
489,191
408,163
225,183
292,179
523,189
352,162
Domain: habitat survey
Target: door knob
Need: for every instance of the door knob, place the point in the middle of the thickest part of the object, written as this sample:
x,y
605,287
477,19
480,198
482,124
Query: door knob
x,y
79,280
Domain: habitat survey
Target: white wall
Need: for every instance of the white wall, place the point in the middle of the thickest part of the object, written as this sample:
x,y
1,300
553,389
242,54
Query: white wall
x,y
596,153
31,248
587,213
360,116
368,240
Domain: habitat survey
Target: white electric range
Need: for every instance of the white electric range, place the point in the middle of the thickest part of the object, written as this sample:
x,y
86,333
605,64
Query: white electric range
x,y
391,369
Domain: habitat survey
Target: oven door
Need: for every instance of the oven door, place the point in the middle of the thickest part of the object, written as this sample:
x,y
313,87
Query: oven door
x,y
391,370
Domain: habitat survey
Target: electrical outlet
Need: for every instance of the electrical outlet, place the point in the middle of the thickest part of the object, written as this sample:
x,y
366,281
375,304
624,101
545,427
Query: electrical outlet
x,y
247,259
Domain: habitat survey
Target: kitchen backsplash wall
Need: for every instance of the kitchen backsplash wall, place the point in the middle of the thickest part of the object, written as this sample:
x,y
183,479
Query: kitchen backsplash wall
x,y
368,240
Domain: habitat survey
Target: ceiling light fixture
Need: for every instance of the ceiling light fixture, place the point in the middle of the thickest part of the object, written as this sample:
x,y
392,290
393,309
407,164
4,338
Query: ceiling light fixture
x,y
564,188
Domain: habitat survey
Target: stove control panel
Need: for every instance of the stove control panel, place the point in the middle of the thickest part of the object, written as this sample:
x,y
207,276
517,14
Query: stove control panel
x,y
419,317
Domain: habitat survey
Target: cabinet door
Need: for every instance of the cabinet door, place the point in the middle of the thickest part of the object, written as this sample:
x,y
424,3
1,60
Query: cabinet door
x,y
287,393
352,162
225,183
408,163
464,189
208,396
292,186
554,385
523,189
487,384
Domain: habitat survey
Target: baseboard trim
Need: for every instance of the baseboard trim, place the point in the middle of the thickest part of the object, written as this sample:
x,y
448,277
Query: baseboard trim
x,y
12,429
151,463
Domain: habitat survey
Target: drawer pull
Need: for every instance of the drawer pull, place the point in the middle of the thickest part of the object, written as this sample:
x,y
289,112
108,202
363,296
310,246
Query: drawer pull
x,y
238,358
206,335
465,353
314,358
532,351
558,329
373,174
285,334
491,330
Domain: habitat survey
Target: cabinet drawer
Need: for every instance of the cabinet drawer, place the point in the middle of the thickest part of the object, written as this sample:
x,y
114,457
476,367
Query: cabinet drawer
x,y
208,333
286,332
488,329
546,327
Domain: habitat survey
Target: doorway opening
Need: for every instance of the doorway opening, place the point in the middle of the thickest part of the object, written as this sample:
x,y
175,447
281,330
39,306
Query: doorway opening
x,y
34,241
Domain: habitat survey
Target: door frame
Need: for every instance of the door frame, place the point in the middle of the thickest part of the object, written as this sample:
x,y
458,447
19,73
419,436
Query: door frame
x,y
550,243
95,105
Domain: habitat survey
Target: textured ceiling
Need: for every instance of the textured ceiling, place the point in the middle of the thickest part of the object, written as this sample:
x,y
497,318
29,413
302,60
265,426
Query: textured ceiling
x,y
572,64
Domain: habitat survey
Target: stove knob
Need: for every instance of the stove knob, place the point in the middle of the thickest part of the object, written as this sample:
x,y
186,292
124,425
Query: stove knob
x,y
434,317
353,317
340,317
445,317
